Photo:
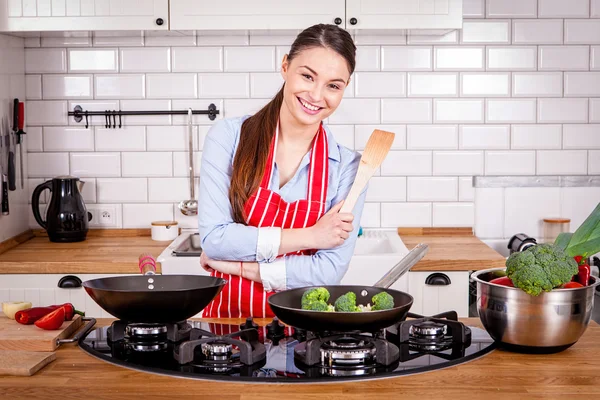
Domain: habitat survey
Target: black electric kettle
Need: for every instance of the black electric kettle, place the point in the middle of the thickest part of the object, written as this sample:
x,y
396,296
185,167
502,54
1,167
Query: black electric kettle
x,y
67,219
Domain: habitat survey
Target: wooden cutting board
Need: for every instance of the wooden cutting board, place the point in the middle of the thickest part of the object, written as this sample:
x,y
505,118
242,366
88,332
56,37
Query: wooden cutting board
x,y
23,363
15,336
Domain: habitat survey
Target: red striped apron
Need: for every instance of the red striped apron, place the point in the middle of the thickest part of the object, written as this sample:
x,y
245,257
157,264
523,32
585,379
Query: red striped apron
x,y
242,297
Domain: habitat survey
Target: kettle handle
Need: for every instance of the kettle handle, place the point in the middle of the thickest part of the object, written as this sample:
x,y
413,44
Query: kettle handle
x,y
35,202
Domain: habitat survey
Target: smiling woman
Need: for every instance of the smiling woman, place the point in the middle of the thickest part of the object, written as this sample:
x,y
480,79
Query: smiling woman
x,y
272,184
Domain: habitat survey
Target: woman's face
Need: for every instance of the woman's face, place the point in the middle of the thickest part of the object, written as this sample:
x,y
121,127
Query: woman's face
x,y
315,81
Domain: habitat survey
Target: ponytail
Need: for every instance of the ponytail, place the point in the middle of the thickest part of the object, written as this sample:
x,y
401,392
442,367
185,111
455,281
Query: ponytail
x,y
251,155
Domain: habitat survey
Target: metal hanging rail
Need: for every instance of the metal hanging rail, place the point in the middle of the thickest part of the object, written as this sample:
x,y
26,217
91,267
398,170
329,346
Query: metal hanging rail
x,y
79,114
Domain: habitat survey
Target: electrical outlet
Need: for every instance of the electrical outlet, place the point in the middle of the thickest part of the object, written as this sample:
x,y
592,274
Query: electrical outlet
x,y
104,215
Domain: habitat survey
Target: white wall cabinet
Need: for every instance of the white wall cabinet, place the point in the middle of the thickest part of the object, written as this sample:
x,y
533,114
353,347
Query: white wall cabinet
x,y
98,15
86,15
403,14
254,14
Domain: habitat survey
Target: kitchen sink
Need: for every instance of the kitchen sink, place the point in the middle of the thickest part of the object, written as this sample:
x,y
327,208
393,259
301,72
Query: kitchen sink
x,y
189,246
376,252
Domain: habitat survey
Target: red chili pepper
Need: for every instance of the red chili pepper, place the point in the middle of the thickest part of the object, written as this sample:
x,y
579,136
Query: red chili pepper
x,y
583,276
52,321
571,285
29,316
503,280
578,259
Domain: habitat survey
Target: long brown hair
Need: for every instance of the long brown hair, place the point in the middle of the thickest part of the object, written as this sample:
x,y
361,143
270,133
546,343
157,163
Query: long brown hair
x,y
257,131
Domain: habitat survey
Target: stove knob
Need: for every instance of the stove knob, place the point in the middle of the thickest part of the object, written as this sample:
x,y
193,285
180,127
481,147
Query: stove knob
x,y
249,324
275,329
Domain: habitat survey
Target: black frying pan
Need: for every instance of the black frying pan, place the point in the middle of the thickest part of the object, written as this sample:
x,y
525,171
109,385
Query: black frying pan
x,y
167,298
286,306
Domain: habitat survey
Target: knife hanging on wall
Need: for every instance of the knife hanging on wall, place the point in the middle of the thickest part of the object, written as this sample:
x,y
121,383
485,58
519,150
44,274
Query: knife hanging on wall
x,y
12,185
3,165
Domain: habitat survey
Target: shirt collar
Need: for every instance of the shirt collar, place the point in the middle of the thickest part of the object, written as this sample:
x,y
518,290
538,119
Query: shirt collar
x,y
333,150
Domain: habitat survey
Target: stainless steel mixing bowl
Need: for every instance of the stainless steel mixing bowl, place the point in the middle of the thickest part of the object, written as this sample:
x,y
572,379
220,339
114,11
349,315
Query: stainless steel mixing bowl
x,y
548,323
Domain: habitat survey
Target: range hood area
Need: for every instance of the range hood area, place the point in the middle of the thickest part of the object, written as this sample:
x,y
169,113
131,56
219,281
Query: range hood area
x,y
420,17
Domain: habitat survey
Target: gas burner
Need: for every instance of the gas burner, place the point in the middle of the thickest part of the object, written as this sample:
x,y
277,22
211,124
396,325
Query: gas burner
x,y
136,331
144,330
147,347
433,334
429,329
217,350
348,350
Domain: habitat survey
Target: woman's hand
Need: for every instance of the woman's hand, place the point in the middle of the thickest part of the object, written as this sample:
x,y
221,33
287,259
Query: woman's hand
x,y
333,228
226,267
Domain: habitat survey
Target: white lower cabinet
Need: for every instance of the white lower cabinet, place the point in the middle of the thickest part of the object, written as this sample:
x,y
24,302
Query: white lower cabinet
x,y
43,290
436,292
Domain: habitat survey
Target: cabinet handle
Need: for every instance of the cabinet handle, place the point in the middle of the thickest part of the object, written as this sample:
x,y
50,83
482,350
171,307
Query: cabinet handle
x,y
353,21
338,21
159,21
69,282
438,279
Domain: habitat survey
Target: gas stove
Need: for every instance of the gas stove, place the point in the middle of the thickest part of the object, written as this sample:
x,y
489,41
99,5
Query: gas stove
x,y
275,353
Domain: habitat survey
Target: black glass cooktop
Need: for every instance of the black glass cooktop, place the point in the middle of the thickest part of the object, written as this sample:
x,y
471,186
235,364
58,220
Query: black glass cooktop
x,y
274,353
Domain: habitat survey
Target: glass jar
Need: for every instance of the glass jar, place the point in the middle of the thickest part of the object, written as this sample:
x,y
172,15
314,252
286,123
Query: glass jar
x,y
553,227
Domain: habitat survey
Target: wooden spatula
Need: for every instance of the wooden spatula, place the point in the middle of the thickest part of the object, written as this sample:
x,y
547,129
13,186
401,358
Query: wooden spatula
x,y
376,150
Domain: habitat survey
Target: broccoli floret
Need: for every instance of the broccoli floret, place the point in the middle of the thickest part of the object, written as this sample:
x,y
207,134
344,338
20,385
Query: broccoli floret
x,y
314,294
382,301
317,305
346,302
540,268
330,308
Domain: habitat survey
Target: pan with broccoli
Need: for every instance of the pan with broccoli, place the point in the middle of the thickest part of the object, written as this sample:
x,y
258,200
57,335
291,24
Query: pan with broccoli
x,y
316,299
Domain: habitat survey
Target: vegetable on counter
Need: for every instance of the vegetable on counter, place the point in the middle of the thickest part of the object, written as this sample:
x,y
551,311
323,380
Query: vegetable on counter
x,y
503,280
585,241
10,308
540,268
571,285
583,276
52,321
31,315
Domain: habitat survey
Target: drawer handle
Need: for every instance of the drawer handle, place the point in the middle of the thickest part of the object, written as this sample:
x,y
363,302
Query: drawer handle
x,y
438,279
69,282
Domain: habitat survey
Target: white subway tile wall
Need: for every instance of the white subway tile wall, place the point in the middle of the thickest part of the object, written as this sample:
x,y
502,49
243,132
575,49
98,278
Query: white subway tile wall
x,y
515,92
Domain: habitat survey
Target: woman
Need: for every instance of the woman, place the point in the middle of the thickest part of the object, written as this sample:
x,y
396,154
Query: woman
x,y
272,184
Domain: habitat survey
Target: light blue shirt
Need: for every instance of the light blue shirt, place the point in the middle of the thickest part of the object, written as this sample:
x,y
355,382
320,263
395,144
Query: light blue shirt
x,y
223,239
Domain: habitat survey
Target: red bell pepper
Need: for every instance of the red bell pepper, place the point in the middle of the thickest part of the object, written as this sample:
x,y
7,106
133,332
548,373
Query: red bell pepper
x,y
52,321
503,280
583,276
29,316
571,285
578,259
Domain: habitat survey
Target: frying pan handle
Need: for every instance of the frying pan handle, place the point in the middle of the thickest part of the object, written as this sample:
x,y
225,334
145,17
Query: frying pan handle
x,y
147,264
82,332
407,262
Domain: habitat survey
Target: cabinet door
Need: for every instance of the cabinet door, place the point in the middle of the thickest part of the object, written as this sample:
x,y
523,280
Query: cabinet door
x,y
66,15
440,295
403,14
255,14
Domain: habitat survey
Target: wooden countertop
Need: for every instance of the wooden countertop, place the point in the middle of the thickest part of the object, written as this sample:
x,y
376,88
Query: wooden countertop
x,y
117,252
95,255
572,373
